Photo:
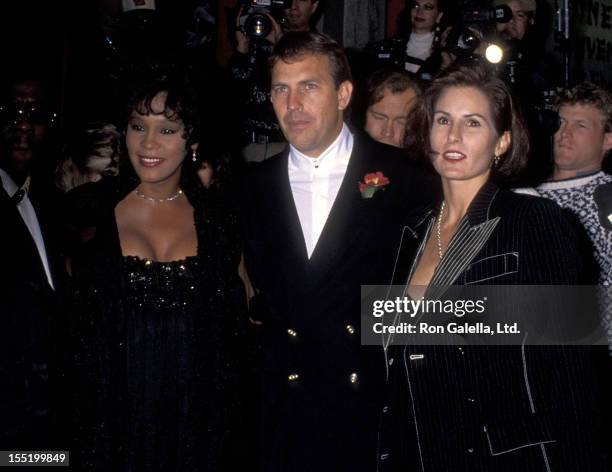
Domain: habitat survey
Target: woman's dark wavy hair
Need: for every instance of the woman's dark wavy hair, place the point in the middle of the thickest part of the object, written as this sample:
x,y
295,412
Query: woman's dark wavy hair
x,y
181,100
404,23
504,111
181,104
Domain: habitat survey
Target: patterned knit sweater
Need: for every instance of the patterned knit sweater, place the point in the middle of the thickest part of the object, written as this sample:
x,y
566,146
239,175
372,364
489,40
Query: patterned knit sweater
x,y
576,195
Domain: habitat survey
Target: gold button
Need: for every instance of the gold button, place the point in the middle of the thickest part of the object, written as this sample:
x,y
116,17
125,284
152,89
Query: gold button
x,y
293,377
350,329
292,333
354,378
148,262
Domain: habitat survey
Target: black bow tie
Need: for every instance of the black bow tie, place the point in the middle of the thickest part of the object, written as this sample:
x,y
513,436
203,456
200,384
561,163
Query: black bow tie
x,y
18,196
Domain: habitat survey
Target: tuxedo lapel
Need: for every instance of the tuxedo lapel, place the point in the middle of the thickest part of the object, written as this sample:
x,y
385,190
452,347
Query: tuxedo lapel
x,y
14,220
285,217
343,227
21,240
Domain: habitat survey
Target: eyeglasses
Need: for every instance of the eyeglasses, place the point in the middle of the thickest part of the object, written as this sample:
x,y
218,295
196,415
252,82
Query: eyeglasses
x,y
31,112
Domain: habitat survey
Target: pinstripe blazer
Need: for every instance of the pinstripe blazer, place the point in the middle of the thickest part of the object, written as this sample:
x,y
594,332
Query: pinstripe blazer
x,y
479,408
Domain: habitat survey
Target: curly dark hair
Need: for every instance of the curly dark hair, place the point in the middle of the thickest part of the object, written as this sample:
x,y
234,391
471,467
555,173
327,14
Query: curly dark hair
x,y
181,100
504,111
181,104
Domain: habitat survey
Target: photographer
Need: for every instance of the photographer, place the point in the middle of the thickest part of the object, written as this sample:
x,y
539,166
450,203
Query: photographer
x,y
417,46
260,133
523,17
533,71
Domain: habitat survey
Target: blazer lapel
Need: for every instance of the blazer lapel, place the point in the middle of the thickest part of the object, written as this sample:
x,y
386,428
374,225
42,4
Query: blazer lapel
x,y
414,237
23,239
342,228
291,244
471,235
465,245
473,232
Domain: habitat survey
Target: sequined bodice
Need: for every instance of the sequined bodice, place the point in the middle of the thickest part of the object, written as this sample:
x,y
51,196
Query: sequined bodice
x,y
161,285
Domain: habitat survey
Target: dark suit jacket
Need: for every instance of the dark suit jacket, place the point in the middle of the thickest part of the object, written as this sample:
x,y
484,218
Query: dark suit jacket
x,y
467,408
320,387
28,306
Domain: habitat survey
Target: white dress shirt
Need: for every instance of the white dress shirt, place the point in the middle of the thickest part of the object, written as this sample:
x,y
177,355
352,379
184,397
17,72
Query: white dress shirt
x,y
26,210
315,183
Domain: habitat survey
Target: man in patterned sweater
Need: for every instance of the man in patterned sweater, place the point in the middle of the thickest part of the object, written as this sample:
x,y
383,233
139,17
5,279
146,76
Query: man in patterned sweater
x,y
581,144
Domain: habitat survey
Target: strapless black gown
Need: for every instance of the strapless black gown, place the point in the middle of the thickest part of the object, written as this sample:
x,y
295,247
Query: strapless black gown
x,y
163,301
163,362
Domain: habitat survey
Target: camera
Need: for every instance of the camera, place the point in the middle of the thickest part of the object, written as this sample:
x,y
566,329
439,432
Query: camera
x,y
475,24
255,23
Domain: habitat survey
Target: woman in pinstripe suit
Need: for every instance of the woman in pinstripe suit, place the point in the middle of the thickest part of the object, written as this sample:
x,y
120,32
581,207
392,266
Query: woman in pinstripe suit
x,y
485,408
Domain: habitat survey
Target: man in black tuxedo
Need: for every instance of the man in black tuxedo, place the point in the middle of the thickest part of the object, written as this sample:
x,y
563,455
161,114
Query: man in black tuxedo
x,y
323,218
28,300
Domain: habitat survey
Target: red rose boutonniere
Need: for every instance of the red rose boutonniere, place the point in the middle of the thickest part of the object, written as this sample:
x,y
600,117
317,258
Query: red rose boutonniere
x,y
372,183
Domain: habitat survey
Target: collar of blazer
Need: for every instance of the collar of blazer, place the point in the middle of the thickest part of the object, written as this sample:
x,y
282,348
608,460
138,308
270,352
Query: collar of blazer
x,y
350,220
472,233
478,212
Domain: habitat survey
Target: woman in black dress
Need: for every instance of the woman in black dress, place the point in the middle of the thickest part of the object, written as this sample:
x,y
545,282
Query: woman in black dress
x,y
160,301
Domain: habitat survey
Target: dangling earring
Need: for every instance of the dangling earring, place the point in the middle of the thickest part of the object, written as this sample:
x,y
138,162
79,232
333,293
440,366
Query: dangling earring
x,y
437,33
495,160
194,155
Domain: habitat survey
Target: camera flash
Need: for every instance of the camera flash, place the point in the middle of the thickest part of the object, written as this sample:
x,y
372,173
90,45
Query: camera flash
x,y
494,53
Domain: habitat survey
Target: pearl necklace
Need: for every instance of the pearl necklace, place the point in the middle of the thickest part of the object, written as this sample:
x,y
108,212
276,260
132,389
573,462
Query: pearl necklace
x,y
178,193
438,230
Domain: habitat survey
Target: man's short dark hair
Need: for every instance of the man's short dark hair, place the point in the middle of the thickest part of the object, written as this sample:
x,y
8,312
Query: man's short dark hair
x,y
294,45
587,93
387,79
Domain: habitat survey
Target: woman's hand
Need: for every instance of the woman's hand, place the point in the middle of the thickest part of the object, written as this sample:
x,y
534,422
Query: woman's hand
x,y
242,40
276,32
249,290
447,57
